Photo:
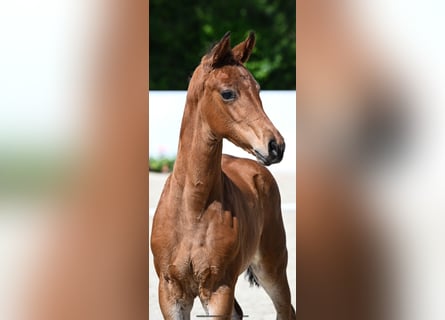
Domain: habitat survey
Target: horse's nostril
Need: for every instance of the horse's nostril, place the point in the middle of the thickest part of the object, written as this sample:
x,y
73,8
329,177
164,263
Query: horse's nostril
x,y
275,152
274,148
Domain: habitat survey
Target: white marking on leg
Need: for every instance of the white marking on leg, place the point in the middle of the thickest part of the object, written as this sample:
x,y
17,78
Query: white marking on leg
x,y
180,311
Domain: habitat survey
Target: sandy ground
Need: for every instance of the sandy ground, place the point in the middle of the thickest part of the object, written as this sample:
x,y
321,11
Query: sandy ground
x,y
254,301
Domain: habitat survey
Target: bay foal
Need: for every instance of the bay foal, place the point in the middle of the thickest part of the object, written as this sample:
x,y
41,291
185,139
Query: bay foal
x,y
220,215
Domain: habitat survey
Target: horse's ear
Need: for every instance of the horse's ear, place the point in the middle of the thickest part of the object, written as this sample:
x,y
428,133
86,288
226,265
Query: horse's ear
x,y
243,50
221,53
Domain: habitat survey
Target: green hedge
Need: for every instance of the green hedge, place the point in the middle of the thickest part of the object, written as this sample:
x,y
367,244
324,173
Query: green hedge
x,y
161,164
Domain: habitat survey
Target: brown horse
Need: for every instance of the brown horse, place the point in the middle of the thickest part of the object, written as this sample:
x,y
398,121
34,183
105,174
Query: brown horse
x,y
219,215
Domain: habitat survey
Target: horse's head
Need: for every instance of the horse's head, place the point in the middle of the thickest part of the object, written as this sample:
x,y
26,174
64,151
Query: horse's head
x,y
227,98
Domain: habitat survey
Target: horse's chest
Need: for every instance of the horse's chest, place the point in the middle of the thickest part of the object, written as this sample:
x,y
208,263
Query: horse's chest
x,y
194,267
207,248
215,239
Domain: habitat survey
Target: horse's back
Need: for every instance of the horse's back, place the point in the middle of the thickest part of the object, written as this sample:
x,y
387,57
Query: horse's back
x,y
255,184
249,173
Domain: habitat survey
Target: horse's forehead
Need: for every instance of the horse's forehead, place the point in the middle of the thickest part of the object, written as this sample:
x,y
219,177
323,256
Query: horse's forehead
x,y
232,75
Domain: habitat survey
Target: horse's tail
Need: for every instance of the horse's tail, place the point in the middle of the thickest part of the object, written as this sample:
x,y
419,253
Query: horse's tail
x,y
251,277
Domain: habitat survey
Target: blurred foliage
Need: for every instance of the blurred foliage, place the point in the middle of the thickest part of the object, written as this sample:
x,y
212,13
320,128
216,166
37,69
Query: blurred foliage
x,y
182,32
162,164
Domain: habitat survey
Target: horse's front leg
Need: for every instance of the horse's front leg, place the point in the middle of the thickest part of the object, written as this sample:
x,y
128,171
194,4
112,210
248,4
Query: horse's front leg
x,y
222,304
175,305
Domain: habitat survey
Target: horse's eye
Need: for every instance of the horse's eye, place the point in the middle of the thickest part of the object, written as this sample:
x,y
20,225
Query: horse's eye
x,y
228,95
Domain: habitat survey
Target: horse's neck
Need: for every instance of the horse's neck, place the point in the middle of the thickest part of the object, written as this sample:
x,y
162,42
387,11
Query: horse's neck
x,y
197,169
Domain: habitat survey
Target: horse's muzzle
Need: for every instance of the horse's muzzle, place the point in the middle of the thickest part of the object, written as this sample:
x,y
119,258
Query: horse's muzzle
x,y
275,153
